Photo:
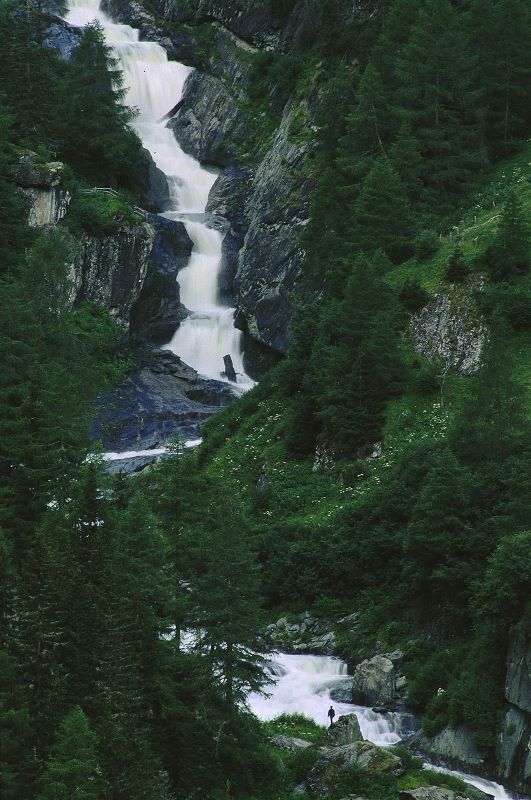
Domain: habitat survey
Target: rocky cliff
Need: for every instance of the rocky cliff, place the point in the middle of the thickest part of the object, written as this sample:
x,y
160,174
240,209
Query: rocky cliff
x,y
514,741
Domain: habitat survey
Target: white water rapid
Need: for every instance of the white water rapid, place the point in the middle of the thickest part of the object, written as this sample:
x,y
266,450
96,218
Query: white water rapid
x,y
303,685
154,87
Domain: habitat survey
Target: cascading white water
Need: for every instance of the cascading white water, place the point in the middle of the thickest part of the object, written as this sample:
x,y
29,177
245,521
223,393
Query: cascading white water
x,y
154,87
303,684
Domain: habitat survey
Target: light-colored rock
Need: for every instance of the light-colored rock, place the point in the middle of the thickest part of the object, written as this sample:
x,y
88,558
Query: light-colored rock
x,y
450,329
46,206
290,743
518,676
341,692
374,682
453,746
345,731
431,793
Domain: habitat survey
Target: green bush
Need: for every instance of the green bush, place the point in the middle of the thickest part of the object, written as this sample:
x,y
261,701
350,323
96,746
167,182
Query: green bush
x,y
412,296
512,302
425,244
99,214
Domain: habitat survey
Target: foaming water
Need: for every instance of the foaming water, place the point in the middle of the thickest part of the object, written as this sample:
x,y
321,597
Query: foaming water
x,y
303,686
154,85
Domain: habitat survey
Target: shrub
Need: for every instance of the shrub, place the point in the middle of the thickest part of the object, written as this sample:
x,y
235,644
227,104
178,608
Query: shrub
x,y
513,303
425,244
412,296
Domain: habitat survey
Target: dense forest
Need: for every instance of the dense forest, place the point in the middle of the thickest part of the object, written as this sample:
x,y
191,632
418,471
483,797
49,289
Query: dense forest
x,y
357,476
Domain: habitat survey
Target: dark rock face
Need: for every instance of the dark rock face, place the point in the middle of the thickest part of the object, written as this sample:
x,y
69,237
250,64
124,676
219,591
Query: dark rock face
x,y
158,311
156,192
514,754
227,200
110,271
269,267
160,398
208,121
452,746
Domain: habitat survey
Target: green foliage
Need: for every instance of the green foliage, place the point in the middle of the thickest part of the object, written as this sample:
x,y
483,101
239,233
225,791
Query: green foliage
x,y
425,244
508,255
72,770
412,296
99,213
296,725
457,270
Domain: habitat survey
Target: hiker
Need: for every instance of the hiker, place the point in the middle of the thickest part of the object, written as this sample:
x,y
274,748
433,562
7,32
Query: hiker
x,y
331,714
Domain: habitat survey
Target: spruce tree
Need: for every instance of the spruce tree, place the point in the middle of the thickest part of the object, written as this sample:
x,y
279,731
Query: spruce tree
x,y
439,96
383,218
72,771
508,256
456,270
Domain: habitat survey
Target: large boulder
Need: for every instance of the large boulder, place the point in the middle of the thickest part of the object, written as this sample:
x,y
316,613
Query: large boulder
x,y
374,760
440,793
374,682
345,731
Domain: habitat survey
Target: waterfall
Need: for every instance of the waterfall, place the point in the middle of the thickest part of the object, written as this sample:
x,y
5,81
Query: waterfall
x,y
154,85
302,686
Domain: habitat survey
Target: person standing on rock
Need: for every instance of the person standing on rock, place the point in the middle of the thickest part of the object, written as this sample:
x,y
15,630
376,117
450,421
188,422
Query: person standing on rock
x,y
331,714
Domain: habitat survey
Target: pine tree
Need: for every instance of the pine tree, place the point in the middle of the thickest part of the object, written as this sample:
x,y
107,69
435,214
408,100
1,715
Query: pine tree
x,y
72,771
405,157
456,270
382,215
95,137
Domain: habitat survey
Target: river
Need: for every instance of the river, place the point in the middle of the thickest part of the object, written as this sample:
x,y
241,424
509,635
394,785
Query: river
x,y
154,87
303,685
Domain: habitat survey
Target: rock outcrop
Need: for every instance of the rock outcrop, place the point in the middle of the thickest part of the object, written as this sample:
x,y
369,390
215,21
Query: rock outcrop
x,y
290,743
110,270
158,311
208,122
345,731
269,266
454,747
310,635
450,329
41,185
159,398
514,740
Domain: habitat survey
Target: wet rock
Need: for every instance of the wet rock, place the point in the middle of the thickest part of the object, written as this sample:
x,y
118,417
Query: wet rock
x,y
450,329
513,750
518,676
342,691
345,731
161,398
158,311
373,759
290,743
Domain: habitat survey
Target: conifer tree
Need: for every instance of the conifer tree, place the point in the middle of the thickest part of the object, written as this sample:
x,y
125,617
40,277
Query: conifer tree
x,y
439,96
456,270
72,771
382,215
405,157
508,256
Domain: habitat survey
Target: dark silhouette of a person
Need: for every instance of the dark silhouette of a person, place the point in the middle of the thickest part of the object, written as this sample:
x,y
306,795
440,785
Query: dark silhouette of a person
x,y
331,714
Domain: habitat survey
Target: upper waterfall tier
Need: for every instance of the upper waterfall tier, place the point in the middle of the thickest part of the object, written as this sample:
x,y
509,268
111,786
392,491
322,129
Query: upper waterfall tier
x,y
154,85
